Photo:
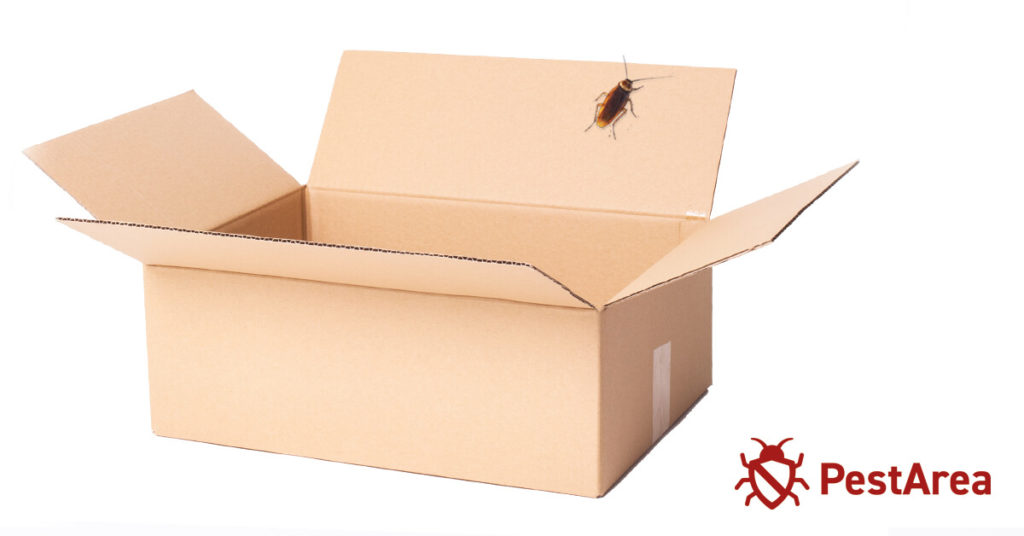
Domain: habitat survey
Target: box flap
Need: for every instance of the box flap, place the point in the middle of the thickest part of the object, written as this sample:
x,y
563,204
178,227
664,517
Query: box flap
x,y
176,163
742,230
512,130
331,263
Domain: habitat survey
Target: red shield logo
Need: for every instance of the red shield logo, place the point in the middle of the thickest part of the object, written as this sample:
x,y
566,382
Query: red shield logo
x,y
771,475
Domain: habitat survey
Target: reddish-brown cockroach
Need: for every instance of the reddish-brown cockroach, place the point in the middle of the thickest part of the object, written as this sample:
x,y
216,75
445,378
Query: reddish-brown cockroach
x,y
609,111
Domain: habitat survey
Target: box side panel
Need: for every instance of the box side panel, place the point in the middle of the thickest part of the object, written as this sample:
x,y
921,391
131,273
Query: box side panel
x,y
655,364
284,217
469,388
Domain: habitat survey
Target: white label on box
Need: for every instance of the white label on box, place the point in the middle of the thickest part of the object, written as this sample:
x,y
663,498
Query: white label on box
x,y
662,389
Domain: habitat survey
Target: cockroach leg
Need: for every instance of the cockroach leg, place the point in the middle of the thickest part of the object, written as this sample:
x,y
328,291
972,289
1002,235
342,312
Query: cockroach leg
x,y
597,110
621,113
630,103
601,96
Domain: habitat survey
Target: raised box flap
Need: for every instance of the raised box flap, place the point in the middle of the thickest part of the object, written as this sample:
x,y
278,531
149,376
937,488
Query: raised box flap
x,y
512,131
742,230
175,163
330,263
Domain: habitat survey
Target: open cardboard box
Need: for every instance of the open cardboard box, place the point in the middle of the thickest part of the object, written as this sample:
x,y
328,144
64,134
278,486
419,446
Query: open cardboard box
x,y
469,285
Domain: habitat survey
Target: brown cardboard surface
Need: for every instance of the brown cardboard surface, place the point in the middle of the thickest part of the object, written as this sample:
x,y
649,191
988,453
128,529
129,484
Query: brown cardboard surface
x,y
512,130
593,253
175,163
678,314
284,217
331,263
485,390
735,233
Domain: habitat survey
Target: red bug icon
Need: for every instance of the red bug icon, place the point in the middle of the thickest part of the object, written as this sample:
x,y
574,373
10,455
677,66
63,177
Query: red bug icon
x,y
762,479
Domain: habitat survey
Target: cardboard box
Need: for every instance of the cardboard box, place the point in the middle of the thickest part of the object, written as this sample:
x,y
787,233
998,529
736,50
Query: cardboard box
x,y
470,285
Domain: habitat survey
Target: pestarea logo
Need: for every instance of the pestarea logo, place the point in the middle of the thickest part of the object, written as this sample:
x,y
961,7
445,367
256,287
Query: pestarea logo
x,y
771,475
772,478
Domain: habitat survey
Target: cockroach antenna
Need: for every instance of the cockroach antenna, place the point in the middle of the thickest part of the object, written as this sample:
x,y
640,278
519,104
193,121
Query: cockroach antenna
x,y
650,78
625,66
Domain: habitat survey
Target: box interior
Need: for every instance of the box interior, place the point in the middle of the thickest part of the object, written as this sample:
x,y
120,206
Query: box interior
x,y
594,253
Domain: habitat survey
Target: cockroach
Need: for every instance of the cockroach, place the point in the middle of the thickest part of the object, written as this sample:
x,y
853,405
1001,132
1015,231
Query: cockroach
x,y
609,111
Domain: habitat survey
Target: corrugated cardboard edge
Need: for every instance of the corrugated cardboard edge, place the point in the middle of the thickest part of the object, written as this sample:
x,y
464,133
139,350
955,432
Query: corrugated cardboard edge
x,y
718,167
840,173
67,221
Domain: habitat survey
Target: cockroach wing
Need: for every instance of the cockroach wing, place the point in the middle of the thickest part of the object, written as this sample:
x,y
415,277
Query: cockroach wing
x,y
613,105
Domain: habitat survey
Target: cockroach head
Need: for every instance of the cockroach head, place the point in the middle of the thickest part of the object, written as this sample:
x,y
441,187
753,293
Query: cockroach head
x,y
626,85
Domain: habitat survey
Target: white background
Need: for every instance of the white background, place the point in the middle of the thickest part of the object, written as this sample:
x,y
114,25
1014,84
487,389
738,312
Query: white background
x,y
882,329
